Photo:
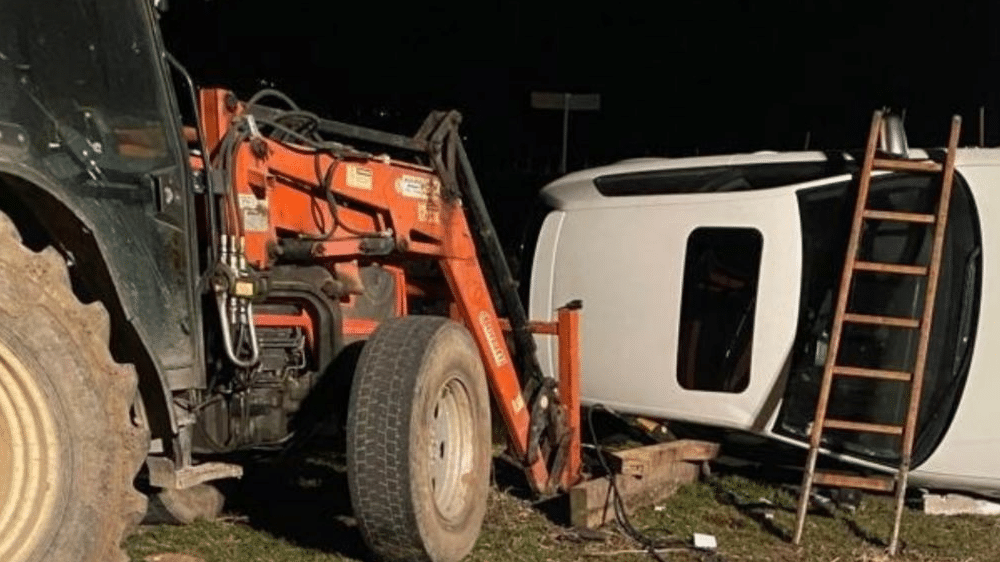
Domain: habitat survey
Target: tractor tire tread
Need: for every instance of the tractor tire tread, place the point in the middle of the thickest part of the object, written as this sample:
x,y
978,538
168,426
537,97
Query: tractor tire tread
x,y
39,302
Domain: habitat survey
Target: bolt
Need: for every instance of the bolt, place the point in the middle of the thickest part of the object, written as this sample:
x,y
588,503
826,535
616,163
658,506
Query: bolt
x,y
258,147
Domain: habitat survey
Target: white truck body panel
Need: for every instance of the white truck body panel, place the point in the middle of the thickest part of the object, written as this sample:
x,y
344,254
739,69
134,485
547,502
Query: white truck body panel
x,y
623,256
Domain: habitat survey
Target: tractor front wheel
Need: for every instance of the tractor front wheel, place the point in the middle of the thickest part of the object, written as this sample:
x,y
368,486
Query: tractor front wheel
x,y
418,441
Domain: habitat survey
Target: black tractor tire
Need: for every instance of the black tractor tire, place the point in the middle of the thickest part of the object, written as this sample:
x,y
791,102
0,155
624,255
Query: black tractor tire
x,y
70,442
418,441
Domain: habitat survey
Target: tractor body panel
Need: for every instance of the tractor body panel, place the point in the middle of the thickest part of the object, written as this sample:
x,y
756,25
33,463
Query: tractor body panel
x,y
89,131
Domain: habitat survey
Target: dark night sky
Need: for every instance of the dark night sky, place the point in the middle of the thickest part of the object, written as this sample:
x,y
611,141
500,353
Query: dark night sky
x,y
675,78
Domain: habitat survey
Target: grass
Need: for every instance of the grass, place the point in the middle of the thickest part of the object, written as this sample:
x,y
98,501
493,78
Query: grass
x,y
302,515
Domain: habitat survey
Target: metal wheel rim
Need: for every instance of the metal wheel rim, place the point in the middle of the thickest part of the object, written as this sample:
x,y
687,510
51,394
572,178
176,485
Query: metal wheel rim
x,y
29,460
452,447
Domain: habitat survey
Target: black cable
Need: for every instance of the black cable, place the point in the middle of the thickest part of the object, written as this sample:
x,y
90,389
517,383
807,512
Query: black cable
x,y
325,181
332,204
650,544
272,93
621,514
322,179
235,136
238,134
296,113
293,133
310,122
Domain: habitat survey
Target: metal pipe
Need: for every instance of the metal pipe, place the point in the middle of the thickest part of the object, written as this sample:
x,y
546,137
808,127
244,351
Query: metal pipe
x,y
565,135
233,311
227,339
254,345
982,126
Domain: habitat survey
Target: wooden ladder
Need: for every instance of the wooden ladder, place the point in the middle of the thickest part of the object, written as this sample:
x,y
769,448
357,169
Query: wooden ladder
x,y
914,379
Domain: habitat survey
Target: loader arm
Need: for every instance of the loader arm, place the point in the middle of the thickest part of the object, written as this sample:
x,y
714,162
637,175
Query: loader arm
x,y
293,195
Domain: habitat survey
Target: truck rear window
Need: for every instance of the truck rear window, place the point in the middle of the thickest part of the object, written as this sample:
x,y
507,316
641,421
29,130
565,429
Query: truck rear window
x,y
719,299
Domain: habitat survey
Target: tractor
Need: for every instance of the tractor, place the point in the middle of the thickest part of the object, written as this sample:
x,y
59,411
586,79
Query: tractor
x,y
184,274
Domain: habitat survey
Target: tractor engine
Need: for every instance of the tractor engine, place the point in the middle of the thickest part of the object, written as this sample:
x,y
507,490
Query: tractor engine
x,y
256,406
303,318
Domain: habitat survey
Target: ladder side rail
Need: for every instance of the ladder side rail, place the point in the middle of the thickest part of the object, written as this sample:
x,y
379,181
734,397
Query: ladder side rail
x,y
930,294
864,182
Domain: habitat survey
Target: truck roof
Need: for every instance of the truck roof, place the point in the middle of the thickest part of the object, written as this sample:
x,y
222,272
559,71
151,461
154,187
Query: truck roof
x,y
618,184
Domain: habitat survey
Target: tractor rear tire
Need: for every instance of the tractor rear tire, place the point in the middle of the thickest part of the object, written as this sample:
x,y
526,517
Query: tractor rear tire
x,y
418,440
70,443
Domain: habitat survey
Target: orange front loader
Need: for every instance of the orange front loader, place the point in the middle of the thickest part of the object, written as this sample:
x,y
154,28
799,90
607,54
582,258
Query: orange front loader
x,y
291,199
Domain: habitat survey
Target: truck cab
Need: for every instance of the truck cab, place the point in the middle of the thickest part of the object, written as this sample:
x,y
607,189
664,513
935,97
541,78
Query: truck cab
x,y
709,287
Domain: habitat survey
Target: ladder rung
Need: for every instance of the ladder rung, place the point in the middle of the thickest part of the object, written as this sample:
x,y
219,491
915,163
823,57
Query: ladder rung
x,y
898,268
921,218
883,374
895,321
863,426
876,483
906,165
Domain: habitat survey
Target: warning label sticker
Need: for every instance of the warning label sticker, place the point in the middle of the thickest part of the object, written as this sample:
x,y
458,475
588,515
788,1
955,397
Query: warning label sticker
x,y
255,213
429,211
359,177
414,187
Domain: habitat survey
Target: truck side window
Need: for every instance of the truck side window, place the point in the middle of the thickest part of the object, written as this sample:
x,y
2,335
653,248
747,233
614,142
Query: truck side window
x,y
721,269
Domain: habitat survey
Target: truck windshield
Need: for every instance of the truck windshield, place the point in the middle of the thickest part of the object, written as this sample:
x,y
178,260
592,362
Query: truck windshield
x,y
80,82
826,214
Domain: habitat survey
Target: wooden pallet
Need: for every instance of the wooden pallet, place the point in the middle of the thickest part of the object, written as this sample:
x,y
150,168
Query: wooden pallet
x,y
643,475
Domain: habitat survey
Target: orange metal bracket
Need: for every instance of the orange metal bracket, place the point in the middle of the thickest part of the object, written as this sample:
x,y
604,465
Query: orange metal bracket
x,y
567,329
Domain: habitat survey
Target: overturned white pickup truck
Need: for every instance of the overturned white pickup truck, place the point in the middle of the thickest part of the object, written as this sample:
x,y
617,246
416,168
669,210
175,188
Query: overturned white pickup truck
x,y
709,287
